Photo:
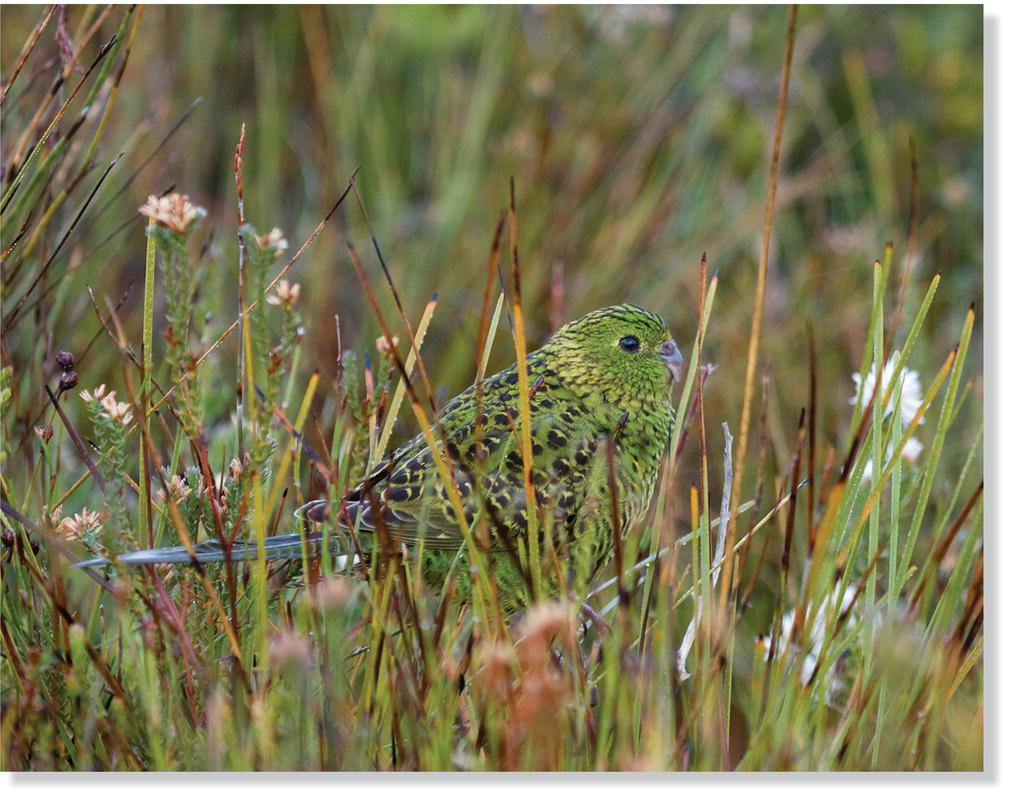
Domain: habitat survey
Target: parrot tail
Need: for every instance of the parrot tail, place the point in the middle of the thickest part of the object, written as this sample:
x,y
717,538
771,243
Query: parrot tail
x,y
277,548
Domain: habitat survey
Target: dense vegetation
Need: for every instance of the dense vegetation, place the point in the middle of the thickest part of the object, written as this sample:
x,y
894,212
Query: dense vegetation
x,y
843,630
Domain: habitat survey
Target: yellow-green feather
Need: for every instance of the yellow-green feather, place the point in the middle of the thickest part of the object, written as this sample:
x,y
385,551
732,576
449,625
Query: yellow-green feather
x,y
584,395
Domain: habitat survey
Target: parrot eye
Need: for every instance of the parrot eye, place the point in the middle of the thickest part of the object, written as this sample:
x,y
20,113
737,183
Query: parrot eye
x,y
629,344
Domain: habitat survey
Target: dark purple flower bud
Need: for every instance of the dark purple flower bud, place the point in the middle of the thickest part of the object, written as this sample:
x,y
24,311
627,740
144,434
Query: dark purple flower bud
x,y
65,360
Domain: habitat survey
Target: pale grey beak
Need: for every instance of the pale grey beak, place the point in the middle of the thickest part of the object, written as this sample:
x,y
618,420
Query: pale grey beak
x,y
669,352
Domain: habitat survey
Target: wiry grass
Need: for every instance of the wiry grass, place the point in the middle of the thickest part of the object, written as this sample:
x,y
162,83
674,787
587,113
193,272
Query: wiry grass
x,y
829,617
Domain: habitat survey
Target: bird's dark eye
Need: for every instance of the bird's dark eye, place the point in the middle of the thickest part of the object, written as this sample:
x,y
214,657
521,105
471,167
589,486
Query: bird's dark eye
x,y
629,344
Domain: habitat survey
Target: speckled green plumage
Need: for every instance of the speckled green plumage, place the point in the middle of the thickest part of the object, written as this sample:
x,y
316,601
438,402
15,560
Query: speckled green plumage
x,y
588,389
585,390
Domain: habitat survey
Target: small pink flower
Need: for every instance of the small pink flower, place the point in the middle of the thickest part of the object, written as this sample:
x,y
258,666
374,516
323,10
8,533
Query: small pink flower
x,y
73,528
289,648
385,348
95,395
117,411
285,295
174,211
273,241
178,491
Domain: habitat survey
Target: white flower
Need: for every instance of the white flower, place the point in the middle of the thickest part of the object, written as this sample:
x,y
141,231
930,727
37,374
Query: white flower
x,y
909,384
822,621
911,450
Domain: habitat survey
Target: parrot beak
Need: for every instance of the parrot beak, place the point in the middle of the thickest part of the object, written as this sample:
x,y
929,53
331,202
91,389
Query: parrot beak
x,y
669,352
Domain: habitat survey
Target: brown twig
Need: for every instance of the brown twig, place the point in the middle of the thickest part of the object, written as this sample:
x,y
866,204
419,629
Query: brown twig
x,y
761,287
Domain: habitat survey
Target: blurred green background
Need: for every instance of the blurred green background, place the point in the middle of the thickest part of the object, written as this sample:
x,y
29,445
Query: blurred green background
x,y
639,138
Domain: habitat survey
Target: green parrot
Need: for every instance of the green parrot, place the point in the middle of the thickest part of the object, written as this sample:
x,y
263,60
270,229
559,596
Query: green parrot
x,y
600,396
